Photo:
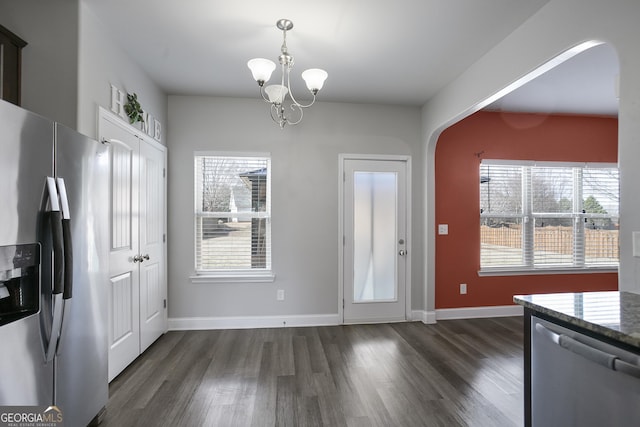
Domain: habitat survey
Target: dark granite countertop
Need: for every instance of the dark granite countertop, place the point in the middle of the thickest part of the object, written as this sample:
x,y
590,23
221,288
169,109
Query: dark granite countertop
x,y
615,315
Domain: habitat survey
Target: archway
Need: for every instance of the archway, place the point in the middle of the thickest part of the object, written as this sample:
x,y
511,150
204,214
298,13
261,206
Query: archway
x,y
580,83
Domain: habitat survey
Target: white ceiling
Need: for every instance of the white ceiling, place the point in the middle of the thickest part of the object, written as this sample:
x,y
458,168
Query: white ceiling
x,y
585,84
400,52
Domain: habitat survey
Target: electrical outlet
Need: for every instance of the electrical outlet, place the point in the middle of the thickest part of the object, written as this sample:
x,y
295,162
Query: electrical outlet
x,y
443,229
463,288
280,294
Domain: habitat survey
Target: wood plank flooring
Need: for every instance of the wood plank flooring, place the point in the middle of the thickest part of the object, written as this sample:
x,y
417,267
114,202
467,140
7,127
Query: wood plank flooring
x,y
453,373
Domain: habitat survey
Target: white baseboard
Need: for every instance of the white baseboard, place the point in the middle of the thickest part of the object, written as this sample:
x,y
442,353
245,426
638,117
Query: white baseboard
x,y
251,322
427,317
478,312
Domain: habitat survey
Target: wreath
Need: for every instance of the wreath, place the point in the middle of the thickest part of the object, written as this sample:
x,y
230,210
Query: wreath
x,y
133,109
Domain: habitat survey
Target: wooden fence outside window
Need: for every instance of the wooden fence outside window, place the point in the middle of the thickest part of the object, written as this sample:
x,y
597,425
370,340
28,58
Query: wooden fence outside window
x,y
601,244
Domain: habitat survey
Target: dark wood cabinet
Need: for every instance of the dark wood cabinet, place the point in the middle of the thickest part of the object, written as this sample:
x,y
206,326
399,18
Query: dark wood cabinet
x,y
10,65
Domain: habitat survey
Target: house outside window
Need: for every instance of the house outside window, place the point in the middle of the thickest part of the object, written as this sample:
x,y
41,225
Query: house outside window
x,y
232,215
548,216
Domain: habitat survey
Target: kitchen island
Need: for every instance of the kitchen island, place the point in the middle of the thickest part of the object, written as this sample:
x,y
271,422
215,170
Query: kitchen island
x,y
581,358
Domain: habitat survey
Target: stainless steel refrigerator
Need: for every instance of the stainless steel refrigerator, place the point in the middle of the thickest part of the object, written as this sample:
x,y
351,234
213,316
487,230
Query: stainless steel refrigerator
x,y
53,266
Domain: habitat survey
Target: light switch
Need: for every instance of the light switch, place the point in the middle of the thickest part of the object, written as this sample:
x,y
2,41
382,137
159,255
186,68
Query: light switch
x,y
443,228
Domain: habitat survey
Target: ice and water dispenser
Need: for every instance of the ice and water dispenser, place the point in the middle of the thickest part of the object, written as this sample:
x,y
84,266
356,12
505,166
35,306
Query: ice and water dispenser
x,y
19,282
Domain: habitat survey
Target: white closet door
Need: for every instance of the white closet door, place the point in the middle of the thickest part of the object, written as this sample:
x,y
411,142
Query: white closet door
x,y
152,267
124,292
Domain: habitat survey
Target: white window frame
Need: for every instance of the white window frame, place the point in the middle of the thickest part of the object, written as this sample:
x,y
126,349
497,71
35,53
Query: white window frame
x,y
248,275
527,219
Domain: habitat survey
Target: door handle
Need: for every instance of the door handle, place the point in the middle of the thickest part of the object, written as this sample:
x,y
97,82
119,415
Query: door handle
x,y
141,258
57,305
402,252
588,352
626,367
67,239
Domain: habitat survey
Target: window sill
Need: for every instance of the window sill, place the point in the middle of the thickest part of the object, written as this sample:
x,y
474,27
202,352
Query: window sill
x,y
539,271
233,277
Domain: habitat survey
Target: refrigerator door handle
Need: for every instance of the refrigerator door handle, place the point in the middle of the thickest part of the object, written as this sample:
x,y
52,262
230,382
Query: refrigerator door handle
x,y
55,217
56,325
52,191
68,256
58,268
66,235
64,200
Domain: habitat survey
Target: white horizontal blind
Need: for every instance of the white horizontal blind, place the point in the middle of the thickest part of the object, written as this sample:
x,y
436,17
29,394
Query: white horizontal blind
x,y
501,218
232,214
601,215
552,208
548,215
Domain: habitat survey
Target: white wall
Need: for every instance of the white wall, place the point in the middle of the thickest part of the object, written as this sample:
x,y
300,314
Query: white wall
x,y
102,63
70,62
304,198
50,59
558,26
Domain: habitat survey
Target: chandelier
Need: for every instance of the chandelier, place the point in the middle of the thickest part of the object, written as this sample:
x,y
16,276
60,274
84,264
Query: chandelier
x,y
276,94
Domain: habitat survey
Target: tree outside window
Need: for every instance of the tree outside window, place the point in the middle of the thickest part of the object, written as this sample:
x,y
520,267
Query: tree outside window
x,y
548,215
232,213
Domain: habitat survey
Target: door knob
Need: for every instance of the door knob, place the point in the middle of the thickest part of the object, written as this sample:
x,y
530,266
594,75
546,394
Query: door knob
x,y
141,258
402,252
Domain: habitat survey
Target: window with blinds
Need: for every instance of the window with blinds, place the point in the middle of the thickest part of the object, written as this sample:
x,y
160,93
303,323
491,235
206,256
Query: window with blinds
x,y
232,214
548,215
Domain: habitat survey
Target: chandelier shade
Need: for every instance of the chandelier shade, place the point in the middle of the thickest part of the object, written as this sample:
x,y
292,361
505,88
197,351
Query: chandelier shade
x,y
276,94
261,69
314,78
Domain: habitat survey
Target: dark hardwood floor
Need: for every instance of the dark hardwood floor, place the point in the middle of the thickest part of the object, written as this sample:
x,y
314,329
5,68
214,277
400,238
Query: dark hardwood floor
x,y
453,373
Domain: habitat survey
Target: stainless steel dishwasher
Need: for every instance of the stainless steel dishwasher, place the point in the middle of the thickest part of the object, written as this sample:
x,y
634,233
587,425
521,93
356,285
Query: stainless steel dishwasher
x,y
577,380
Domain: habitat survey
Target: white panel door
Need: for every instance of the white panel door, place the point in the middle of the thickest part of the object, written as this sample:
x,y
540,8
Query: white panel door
x,y
124,292
152,265
375,217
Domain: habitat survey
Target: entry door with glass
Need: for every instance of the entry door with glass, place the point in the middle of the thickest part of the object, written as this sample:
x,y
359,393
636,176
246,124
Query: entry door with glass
x,y
375,246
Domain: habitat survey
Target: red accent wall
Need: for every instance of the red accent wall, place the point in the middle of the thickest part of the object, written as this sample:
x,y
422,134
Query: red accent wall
x,y
495,135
